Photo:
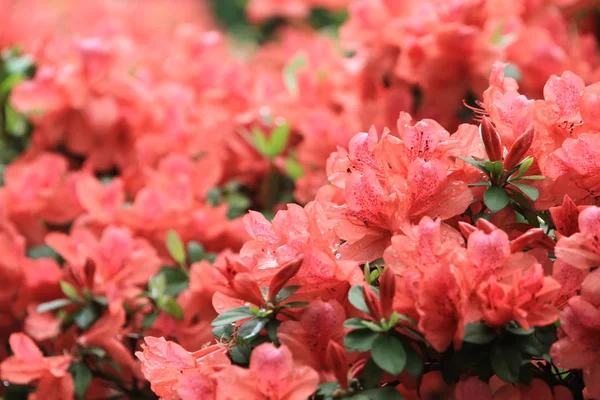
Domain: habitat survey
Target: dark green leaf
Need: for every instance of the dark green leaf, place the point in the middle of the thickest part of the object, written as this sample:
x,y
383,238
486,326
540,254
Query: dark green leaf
x,y
474,163
384,393
357,299
233,315
295,304
478,333
175,247
223,332
514,328
272,331
480,183
414,364
251,329
506,361
86,316
530,191
42,252
354,323
53,305
371,374
176,280
327,389
285,293
149,319
495,199
530,345
103,301
82,377
195,252
360,340
372,326
389,354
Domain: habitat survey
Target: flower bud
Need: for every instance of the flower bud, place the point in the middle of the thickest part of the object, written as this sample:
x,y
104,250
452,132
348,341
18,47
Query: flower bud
x,y
287,272
246,288
519,148
372,301
387,291
491,140
338,363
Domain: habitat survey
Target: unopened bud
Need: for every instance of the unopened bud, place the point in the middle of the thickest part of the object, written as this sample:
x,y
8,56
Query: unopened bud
x,y
519,148
491,140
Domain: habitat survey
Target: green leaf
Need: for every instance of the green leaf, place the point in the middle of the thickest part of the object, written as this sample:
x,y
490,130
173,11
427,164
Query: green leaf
x,y
506,361
495,168
195,252
149,319
372,326
70,291
383,393
480,183
530,191
360,340
474,163
495,199
524,166
285,293
326,389
514,328
294,304
293,168
103,301
251,329
512,71
53,305
260,141
157,286
478,333
289,73
371,374
278,140
233,315
389,354
223,332
82,378
530,345
240,354
86,316
357,299
176,280
414,364
171,307
355,323
272,331
42,252
533,177
175,247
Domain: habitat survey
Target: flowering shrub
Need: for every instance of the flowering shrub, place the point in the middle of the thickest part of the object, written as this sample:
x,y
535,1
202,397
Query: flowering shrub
x,y
187,216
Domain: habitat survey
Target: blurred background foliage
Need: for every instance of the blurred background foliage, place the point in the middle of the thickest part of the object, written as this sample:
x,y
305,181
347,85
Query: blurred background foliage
x,y
231,16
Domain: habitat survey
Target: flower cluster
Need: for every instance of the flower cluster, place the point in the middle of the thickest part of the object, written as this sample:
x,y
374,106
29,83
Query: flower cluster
x,y
186,216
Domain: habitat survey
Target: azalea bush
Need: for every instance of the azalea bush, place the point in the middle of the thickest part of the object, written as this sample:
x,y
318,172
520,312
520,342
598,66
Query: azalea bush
x,y
300,199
